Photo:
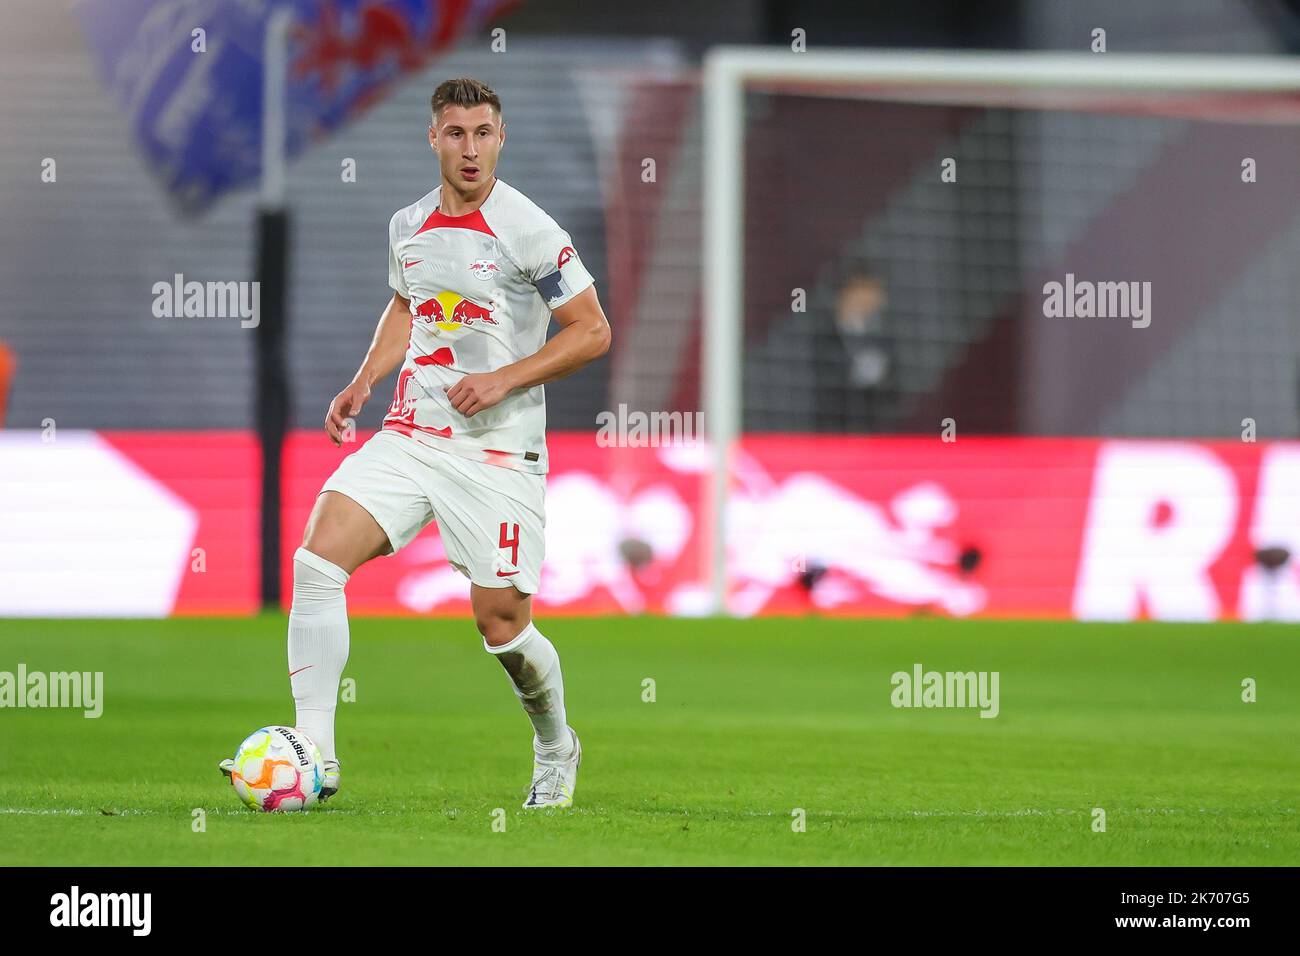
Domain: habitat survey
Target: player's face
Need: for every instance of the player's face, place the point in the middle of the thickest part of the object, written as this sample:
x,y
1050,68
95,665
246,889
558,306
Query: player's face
x,y
468,143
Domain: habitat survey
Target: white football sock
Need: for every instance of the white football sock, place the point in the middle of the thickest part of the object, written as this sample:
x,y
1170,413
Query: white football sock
x,y
533,666
318,645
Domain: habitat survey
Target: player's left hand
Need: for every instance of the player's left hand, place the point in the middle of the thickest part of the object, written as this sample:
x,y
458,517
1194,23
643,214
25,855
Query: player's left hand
x,y
477,391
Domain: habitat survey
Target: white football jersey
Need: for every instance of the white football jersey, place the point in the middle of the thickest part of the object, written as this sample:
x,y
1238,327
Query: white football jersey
x,y
481,287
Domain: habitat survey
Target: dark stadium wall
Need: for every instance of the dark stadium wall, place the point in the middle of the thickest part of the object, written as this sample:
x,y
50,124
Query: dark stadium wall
x,y
943,24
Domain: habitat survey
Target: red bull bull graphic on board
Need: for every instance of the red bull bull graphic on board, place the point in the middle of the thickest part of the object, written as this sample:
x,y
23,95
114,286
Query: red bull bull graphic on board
x,y
1073,527
882,526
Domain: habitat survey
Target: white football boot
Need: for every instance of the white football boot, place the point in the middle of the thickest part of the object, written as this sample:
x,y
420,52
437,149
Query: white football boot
x,y
553,781
329,780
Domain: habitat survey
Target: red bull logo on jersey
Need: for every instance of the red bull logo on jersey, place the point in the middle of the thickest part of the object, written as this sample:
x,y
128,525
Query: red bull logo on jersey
x,y
484,268
449,312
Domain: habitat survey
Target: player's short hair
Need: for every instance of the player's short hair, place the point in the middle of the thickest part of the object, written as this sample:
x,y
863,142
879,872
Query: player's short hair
x,y
465,92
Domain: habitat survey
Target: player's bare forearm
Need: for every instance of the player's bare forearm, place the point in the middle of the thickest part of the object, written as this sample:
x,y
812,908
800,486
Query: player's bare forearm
x,y
386,352
388,347
585,336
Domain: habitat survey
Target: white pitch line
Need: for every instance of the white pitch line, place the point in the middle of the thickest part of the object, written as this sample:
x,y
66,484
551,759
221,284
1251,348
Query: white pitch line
x,y
354,811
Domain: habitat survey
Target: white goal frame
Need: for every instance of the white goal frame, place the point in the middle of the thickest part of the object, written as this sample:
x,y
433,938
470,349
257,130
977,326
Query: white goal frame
x,y
727,71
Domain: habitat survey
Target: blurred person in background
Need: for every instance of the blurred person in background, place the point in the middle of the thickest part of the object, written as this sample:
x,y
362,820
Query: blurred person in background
x,y
854,357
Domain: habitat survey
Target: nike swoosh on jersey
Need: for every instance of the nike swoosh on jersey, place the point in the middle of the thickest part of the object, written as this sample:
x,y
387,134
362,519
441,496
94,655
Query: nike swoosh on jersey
x,y
407,265
506,574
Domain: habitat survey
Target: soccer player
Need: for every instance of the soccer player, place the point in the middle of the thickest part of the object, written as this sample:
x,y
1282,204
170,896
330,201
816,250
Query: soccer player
x,y
477,271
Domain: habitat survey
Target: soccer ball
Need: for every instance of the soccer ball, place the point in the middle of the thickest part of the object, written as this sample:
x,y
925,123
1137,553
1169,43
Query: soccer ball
x,y
278,768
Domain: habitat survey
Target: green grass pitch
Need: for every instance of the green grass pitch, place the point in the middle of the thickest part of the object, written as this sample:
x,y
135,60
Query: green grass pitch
x,y
751,721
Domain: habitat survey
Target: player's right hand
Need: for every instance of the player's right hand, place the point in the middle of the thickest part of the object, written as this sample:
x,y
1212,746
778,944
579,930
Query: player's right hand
x,y
345,405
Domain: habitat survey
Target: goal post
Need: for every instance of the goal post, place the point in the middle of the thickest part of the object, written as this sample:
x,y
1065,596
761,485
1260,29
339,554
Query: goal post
x,y
1023,80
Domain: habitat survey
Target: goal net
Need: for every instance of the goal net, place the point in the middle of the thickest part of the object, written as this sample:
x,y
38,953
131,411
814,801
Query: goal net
x,y
936,245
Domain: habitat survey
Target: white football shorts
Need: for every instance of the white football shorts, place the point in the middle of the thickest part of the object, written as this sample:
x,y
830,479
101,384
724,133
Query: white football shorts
x,y
491,519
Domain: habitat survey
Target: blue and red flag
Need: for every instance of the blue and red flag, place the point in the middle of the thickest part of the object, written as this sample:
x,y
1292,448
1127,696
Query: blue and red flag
x,y
195,99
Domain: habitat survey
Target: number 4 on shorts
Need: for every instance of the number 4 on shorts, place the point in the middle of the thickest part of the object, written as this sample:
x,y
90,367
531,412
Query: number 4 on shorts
x,y
511,543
